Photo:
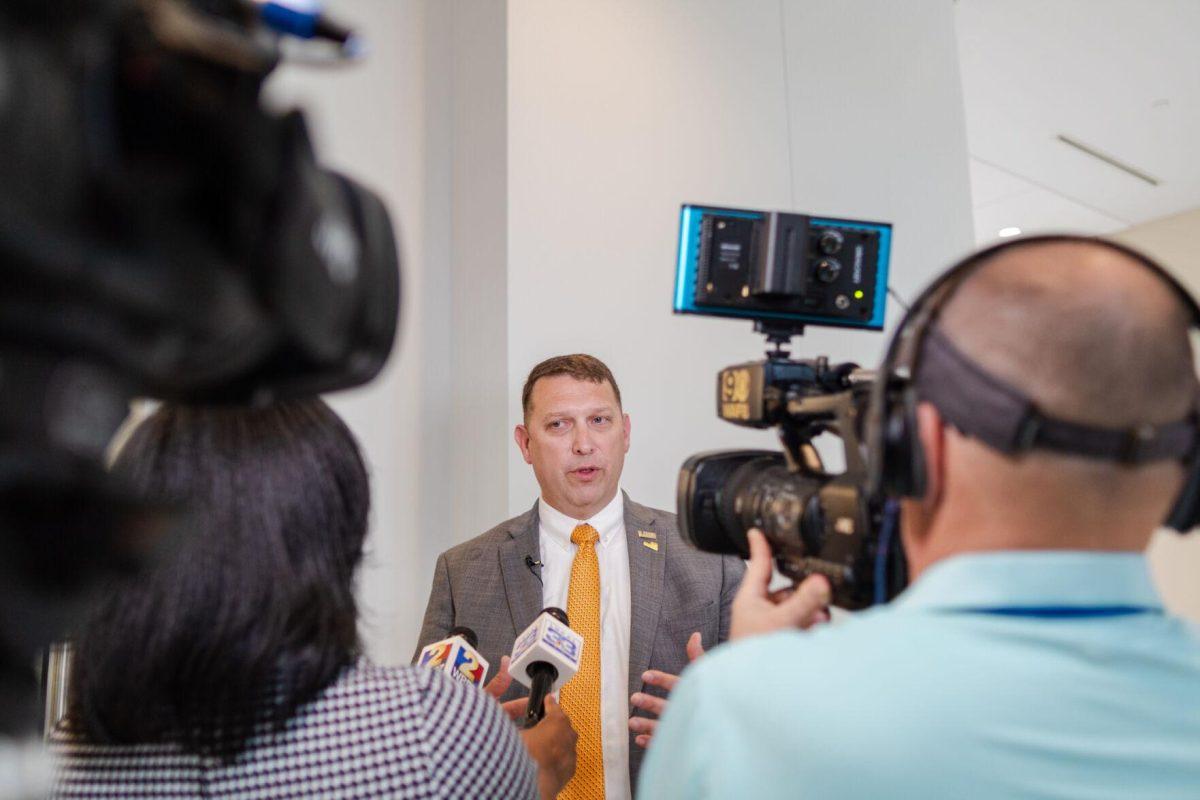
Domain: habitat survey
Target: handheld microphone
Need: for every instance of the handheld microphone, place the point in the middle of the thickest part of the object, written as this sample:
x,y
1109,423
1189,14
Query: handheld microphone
x,y
456,656
545,657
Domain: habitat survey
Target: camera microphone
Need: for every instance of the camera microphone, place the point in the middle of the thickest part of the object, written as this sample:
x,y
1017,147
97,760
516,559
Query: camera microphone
x,y
546,656
456,656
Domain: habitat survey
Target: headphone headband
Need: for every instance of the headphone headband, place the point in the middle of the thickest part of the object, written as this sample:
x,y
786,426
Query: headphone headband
x,y
1012,423
1000,415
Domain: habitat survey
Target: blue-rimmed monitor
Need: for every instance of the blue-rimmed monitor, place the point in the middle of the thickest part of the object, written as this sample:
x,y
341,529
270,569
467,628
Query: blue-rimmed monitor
x,y
782,269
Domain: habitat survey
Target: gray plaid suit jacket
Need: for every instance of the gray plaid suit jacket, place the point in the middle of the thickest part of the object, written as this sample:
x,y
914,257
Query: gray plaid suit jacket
x,y
486,585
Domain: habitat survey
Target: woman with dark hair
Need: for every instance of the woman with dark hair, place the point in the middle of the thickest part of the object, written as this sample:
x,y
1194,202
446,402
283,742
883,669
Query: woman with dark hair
x,y
233,669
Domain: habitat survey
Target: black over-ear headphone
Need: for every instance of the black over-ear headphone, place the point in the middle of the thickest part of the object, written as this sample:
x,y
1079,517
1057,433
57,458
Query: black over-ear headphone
x,y
896,461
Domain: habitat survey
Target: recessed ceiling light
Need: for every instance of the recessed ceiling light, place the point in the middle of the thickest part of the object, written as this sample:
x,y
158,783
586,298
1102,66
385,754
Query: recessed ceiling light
x,y
1004,233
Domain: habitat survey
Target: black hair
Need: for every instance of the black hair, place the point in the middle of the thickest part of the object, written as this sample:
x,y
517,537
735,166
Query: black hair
x,y
253,613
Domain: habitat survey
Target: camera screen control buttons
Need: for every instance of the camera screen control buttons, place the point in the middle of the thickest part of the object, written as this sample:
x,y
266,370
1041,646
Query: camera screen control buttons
x,y
828,270
830,241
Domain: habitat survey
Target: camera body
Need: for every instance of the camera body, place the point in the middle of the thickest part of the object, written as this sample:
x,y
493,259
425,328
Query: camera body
x,y
776,269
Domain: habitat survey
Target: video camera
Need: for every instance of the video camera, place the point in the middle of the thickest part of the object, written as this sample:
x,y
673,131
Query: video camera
x,y
785,271
163,234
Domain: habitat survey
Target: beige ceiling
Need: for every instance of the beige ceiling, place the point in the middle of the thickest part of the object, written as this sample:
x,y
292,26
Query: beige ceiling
x,y
1121,77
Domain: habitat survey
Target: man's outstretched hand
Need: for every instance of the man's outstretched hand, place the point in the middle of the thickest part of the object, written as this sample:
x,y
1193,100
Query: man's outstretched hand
x,y
500,682
756,610
643,727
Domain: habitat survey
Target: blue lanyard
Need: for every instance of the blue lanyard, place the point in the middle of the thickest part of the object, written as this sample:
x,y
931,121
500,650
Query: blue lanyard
x,y
1063,612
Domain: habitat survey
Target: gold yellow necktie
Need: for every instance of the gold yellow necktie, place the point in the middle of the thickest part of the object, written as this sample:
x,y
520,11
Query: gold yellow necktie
x,y
580,696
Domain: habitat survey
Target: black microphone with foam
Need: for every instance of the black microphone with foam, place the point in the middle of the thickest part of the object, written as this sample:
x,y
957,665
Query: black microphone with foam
x,y
546,656
466,633
542,675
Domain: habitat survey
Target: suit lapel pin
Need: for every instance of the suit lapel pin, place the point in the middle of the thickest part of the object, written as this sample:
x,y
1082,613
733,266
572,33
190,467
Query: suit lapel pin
x,y
648,534
652,545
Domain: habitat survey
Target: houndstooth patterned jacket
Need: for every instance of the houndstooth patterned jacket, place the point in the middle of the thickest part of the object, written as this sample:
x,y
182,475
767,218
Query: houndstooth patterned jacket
x,y
397,732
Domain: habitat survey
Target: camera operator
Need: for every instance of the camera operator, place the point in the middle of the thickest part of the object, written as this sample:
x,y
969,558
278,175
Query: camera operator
x,y
1031,656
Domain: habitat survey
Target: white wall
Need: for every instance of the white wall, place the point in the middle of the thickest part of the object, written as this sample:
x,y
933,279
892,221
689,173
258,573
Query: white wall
x,y
534,155
621,111
422,121
478,437
370,120
1175,559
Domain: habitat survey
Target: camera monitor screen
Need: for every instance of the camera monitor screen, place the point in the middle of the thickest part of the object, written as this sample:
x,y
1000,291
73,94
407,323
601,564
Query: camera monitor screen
x,y
780,267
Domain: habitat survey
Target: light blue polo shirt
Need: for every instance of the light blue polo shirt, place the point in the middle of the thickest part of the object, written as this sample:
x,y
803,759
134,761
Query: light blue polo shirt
x,y
996,675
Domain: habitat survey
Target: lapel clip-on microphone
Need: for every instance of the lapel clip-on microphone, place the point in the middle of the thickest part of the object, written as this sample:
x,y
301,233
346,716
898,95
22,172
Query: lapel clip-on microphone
x,y
535,566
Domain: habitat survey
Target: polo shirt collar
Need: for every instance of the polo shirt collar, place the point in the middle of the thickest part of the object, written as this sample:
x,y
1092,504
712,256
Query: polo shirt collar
x,y
1034,578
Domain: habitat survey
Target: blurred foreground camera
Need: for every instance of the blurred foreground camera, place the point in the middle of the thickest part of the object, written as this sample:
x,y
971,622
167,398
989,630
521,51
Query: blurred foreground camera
x,y
786,271
159,222
163,234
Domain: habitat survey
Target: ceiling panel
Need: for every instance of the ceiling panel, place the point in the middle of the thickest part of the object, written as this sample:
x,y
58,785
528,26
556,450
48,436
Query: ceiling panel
x,y
991,184
1122,76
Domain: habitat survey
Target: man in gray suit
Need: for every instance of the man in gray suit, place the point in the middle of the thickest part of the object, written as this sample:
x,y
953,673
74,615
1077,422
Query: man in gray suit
x,y
654,591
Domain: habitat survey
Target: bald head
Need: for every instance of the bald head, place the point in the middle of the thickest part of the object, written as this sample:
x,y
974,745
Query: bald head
x,y
1092,336
1089,333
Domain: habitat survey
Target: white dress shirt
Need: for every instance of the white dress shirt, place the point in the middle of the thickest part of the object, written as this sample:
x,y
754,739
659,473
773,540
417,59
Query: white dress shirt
x,y
612,551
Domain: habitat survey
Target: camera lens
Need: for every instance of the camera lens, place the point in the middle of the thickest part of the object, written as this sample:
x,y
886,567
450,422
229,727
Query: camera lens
x,y
774,506
830,242
828,270
767,496
722,495
707,495
812,525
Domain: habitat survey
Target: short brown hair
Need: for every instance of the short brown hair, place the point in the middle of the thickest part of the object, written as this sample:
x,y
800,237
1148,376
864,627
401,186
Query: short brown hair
x,y
579,366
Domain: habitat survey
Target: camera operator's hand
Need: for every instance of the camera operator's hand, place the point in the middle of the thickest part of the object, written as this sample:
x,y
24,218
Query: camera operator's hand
x,y
644,728
551,743
757,610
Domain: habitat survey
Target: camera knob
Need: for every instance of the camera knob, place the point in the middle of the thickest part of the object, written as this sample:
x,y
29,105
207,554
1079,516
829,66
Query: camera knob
x,y
828,270
830,242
